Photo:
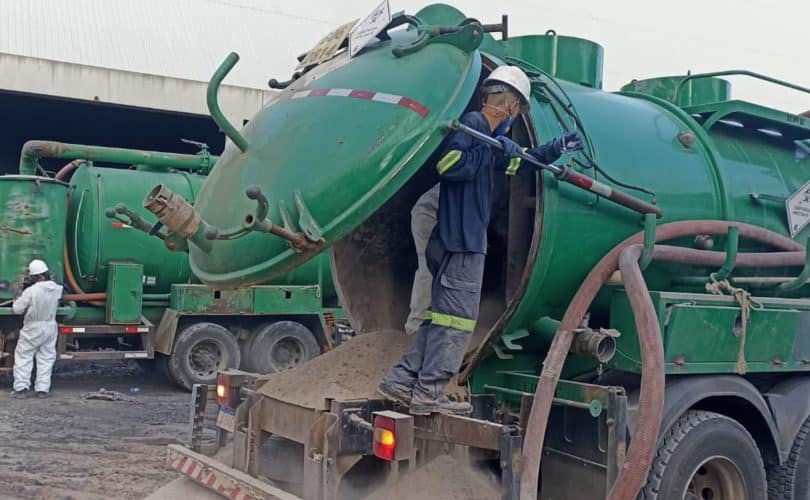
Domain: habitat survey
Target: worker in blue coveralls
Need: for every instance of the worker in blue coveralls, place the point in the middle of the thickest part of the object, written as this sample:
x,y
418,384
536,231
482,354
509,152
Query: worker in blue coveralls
x,y
456,250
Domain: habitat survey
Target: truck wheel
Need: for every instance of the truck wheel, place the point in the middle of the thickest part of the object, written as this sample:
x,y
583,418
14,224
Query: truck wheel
x,y
282,345
162,365
200,352
791,480
706,455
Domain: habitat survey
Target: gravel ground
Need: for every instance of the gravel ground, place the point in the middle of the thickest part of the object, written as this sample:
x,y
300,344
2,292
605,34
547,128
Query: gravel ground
x,y
65,447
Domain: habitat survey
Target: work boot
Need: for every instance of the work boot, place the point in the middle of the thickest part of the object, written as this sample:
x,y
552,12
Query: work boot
x,y
43,394
23,394
424,406
395,392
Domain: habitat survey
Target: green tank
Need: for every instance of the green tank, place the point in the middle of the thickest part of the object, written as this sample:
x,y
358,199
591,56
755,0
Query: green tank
x,y
343,154
32,227
94,239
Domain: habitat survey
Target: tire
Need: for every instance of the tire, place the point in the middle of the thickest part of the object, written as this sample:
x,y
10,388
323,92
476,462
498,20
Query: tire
x,y
281,345
162,366
244,352
200,352
706,455
791,480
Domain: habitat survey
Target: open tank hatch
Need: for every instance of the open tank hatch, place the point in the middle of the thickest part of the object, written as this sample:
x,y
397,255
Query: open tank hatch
x,y
375,264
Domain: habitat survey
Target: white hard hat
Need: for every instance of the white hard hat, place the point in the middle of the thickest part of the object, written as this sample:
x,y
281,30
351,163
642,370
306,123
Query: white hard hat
x,y
514,77
37,267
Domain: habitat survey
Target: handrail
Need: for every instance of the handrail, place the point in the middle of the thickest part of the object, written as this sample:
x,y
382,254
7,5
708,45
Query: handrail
x,y
740,72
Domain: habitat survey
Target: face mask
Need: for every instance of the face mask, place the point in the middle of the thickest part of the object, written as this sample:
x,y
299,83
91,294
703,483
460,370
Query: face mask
x,y
503,127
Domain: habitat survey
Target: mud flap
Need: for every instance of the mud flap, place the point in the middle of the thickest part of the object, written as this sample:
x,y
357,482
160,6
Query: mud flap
x,y
167,329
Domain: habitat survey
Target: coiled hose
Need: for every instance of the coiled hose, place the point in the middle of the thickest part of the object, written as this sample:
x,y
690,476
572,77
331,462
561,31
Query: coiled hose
x,y
634,472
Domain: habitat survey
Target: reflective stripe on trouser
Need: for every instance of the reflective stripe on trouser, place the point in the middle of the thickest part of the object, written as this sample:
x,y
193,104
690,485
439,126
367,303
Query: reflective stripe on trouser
x,y
40,346
438,350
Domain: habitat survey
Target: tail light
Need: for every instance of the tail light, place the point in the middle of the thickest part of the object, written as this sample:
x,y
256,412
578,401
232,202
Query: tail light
x,y
227,391
385,438
393,436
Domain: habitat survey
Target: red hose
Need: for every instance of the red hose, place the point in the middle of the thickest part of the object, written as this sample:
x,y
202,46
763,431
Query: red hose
x,y
556,356
641,451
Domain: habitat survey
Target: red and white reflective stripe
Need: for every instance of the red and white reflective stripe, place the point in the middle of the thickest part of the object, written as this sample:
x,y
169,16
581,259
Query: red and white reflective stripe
x,y
398,100
210,478
120,224
70,329
136,329
592,185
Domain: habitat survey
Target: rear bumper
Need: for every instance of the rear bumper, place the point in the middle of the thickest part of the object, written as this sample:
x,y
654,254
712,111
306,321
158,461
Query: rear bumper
x,y
218,477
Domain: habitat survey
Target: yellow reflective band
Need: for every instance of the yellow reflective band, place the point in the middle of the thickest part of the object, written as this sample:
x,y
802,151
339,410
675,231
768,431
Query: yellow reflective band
x,y
463,324
428,315
451,158
513,166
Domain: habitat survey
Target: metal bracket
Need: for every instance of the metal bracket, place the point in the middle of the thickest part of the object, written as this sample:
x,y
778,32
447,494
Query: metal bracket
x,y
354,418
511,466
466,38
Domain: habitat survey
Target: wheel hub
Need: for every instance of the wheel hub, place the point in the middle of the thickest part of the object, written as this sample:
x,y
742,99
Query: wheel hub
x,y
287,353
206,358
717,478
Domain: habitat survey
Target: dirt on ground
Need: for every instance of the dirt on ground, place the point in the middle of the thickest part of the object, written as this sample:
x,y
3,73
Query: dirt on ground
x,y
443,478
351,371
69,448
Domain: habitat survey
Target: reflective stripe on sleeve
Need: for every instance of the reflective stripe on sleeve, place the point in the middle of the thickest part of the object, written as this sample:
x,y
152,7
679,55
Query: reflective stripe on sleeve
x,y
448,160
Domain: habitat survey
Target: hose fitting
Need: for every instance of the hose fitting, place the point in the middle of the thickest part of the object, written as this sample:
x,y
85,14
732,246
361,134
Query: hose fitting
x,y
600,345
179,217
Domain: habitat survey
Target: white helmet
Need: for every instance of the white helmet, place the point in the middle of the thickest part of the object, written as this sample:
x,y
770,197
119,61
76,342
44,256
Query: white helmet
x,y
37,267
513,77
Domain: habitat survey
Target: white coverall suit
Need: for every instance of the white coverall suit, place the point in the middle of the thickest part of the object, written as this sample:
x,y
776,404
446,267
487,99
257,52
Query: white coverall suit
x,y
38,335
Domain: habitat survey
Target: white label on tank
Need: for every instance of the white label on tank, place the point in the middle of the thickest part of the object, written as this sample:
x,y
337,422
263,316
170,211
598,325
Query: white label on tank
x,y
369,28
137,355
798,209
149,280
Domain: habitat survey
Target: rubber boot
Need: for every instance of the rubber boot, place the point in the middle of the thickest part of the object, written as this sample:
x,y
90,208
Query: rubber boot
x,y
423,406
395,392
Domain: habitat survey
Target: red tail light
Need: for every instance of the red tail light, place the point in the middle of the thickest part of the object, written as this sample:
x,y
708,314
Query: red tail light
x,y
385,438
227,394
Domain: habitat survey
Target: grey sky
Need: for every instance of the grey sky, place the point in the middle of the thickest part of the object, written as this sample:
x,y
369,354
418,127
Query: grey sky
x,y
641,38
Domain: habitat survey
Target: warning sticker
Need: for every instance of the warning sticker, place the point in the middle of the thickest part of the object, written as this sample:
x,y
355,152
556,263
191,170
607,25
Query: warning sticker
x,y
328,46
798,209
371,26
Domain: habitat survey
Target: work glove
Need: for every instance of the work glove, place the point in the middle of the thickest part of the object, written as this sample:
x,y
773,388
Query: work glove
x,y
511,149
552,150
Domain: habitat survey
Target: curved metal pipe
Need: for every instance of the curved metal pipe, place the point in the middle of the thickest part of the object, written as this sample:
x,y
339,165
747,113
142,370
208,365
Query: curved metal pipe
x,y
32,151
555,358
213,102
68,168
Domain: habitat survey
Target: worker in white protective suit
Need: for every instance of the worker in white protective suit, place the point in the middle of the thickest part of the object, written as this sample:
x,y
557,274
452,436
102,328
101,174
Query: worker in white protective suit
x,y
38,335
423,220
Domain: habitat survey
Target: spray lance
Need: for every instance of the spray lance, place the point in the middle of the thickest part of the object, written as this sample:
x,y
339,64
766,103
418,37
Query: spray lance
x,y
566,175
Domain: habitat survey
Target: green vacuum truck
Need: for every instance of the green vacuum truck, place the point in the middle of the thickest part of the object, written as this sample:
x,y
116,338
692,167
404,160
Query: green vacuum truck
x,y
128,296
645,324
